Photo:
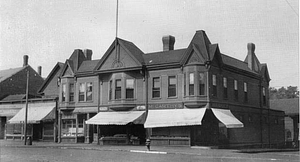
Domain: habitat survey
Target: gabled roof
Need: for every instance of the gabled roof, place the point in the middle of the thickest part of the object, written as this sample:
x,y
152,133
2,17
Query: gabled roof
x,y
132,50
164,57
56,69
230,61
5,74
88,65
264,72
289,106
67,64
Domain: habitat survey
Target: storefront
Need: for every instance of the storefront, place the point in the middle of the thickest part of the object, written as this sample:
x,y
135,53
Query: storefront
x,y
196,126
40,120
120,127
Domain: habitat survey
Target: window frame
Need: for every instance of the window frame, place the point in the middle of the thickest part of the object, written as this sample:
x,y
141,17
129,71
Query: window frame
x,y
71,92
201,84
118,90
172,87
63,92
214,86
156,90
191,84
225,88
245,92
236,89
128,89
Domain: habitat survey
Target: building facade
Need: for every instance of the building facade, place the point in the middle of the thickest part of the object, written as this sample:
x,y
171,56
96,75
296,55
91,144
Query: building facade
x,y
190,96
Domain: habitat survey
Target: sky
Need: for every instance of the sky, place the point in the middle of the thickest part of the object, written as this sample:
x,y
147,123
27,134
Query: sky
x,y
49,31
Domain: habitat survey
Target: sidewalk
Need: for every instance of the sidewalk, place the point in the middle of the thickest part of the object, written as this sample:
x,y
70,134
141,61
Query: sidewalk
x,y
132,148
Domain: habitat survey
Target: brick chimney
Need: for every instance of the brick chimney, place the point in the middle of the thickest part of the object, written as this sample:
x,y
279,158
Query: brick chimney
x,y
88,54
25,60
250,55
168,42
39,70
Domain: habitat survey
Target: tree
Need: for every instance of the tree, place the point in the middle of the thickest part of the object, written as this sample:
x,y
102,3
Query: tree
x,y
284,93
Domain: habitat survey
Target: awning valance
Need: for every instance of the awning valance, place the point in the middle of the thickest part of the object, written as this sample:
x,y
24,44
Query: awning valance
x,y
36,113
117,118
227,118
174,117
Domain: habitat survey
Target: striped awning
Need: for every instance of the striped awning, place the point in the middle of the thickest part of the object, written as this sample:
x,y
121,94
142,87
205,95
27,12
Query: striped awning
x,y
174,117
118,118
227,118
36,113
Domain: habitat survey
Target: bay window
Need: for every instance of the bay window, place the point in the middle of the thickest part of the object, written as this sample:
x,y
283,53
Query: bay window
x,y
129,88
191,84
118,89
201,84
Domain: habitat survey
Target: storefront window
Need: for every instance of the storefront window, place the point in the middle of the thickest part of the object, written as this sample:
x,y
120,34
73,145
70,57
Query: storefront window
x,y
172,86
156,87
129,88
68,127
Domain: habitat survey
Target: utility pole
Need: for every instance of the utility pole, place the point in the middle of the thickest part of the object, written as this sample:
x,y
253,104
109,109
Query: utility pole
x,y
26,109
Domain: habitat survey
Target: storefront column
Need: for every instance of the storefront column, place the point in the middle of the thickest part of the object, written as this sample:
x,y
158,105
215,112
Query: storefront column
x,y
59,126
87,130
76,134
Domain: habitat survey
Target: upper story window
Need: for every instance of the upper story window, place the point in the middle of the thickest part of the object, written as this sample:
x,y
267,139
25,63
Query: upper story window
x,y
264,96
172,84
63,94
245,92
236,93
191,84
89,91
214,83
184,85
85,91
118,88
201,84
129,88
71,92
225,87
156,87
110,89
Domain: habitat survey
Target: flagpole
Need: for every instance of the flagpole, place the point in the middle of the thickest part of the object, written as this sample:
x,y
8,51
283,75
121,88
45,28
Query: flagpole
x,y
26,109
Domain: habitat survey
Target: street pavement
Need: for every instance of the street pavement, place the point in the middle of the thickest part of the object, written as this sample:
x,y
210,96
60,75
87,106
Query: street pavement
x,y
205,153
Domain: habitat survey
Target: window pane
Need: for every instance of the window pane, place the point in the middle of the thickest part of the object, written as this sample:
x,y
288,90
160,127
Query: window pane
x,y
110,90
191,78
89,93
156,87
201,83
71,94
81,91
118,89
129,88
235,85
172,86
225,82
245,87
129,83
63,92
214,80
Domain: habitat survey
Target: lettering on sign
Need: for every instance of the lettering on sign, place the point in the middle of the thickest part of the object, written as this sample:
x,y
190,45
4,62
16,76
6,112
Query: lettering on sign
x,y
220,105
103,109
166,106
141,107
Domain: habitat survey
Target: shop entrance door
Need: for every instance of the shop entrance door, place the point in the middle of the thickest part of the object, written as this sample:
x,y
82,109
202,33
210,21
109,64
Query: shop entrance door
x,y
37,133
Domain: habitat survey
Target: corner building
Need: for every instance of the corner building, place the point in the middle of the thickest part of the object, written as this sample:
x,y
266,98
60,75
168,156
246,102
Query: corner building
x,y
191,96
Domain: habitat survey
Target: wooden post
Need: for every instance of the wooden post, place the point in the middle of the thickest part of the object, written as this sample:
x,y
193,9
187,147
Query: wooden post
x,y
26,109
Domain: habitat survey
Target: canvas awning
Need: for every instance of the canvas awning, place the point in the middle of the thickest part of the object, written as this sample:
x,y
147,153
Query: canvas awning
x,y
174,117
36,113
227,118
117,118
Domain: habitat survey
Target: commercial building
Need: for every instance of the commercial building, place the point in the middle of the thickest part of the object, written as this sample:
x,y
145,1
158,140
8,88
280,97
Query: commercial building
x,y
13,88
190,96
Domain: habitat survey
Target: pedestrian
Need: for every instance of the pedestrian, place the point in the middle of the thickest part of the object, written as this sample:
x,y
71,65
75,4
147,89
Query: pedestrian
x,y
148,144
